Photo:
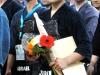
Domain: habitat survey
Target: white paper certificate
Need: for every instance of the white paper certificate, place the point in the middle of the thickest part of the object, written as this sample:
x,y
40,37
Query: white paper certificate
x,y
64,47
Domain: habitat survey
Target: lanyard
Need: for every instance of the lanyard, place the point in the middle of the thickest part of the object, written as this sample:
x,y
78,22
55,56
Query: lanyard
x,y
27,16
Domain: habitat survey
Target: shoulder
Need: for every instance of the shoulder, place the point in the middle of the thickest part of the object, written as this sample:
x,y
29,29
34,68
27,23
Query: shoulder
x,y
3,19
11,3
2,14
18,14
44,14
11,7
14,3
70,12
41,10
91,11
1,11
68,9
16,18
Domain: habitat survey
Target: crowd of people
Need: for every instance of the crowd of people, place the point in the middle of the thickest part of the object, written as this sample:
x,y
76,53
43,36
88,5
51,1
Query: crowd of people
x,y
61,18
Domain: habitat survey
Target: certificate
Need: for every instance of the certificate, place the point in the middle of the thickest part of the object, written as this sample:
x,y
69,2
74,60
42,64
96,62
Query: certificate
x,y
64,47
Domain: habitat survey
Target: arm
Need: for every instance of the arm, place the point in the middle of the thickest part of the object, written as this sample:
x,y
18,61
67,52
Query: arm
x,y
81,38
1,29
12,52
96,40
10,62
83,51
92,64
91,21
94,59
65,62
5,37
96,48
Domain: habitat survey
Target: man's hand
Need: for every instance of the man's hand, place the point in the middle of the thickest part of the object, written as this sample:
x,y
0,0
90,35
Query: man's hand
x,y
90,69
31,57
8,72
59,63
62,63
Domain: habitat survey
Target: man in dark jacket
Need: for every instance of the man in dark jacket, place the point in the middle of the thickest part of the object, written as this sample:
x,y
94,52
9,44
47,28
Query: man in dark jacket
x,y
69,24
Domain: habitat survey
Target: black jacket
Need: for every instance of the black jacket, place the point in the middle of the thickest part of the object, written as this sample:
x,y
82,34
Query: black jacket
x,y
96,46
70,24
11,7
96,40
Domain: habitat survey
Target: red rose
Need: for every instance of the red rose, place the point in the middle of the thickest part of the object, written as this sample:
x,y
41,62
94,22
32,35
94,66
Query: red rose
x,y
47,41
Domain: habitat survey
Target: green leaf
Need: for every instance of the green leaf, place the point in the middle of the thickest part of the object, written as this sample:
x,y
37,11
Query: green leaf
x,y
38,49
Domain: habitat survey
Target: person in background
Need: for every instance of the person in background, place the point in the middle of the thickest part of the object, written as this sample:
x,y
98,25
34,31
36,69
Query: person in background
x,y
68,25
10,7
4,38
96,4
96,52
29,26
94,58
90,17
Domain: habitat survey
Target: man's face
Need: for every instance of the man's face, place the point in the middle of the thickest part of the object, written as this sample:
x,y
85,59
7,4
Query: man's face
x,y
96,3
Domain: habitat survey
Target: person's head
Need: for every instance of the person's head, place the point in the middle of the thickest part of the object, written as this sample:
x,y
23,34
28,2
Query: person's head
x,y
96,3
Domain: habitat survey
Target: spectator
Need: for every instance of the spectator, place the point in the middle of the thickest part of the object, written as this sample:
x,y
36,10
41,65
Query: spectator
x,y
28,23
10,7
94,58
90,17
96,4
4,38
96,52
